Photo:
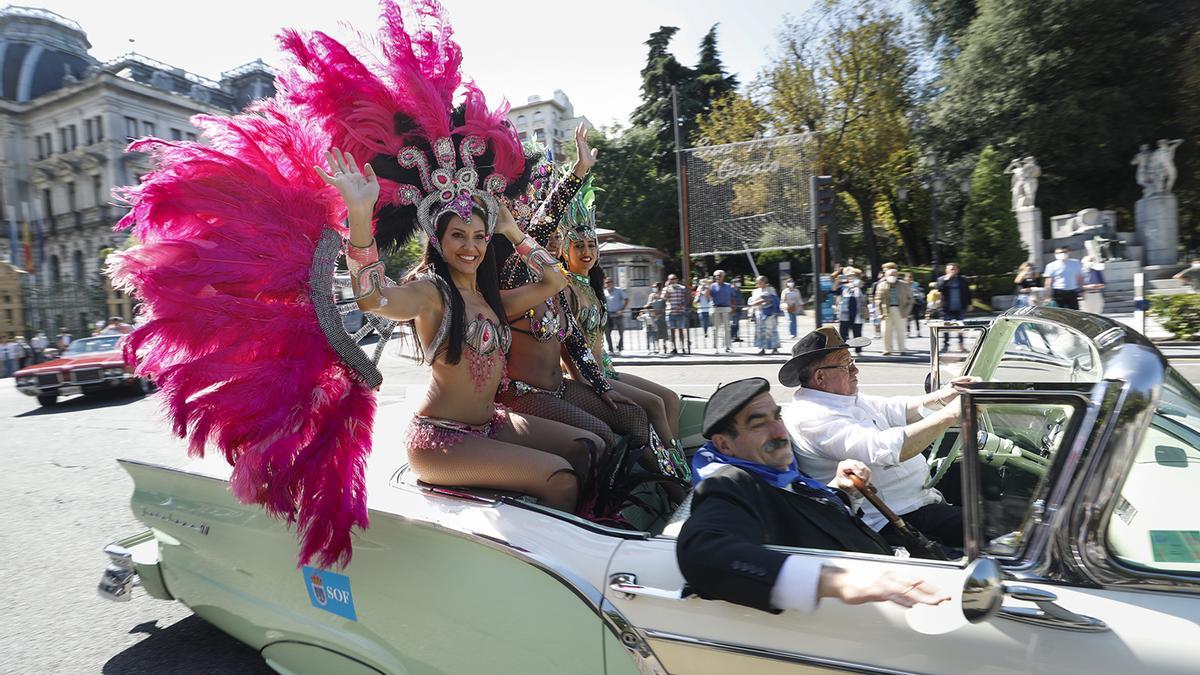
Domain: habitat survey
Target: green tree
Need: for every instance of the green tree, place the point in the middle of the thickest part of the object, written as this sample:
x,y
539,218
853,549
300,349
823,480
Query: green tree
x,y
638,201
847,74
991,243
698,88
1079,84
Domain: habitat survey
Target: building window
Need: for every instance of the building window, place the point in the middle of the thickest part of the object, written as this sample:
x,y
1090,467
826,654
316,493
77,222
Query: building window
x,y
540,134
99,128
74,136
639,275
176,134
8,315
131,128
97,190
538,117
71,203
88,137
148,128
523,136
62,139
191,136
41,147
48,211
521,120
77,259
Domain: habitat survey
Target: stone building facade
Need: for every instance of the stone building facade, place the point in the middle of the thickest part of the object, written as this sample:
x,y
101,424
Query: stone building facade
x,y
550,122
65,119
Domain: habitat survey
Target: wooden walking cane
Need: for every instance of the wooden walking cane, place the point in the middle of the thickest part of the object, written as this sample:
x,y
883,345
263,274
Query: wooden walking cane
x,y
916,543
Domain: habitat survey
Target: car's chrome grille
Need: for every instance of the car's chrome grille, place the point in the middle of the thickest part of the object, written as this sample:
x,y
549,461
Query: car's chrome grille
x,y
47,379
85,375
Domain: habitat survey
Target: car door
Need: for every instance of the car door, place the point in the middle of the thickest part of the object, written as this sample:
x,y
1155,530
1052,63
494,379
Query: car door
x,y
1044,625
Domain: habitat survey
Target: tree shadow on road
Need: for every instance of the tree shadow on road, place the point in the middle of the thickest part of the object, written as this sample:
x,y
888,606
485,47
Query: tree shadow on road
x,y
188,647
105,399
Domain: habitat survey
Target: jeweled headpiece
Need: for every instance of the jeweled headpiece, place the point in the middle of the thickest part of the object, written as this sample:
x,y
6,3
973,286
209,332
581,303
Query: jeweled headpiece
x,y
392,102
540,172
453,187
579,222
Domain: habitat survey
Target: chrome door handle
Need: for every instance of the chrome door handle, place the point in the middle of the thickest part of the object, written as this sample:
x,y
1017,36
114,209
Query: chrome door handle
x,y
626,584
1047,613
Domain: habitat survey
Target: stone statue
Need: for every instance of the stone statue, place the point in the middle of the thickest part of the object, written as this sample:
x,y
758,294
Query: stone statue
x,y
1025,175
1163,163
1144,174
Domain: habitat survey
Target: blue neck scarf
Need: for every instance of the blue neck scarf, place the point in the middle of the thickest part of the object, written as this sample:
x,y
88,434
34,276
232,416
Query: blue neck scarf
x,y
708,459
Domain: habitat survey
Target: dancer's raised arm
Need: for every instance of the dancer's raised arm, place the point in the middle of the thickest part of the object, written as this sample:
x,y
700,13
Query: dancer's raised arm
x,y
359,190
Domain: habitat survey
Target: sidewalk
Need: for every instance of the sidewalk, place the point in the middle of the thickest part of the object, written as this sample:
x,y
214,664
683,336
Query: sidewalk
x,y
917,348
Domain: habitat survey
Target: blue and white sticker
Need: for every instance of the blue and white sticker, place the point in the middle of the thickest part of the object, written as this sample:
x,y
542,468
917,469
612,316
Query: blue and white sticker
x,y
330,591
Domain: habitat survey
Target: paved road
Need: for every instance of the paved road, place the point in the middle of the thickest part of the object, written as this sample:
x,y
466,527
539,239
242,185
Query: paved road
x,y
64,498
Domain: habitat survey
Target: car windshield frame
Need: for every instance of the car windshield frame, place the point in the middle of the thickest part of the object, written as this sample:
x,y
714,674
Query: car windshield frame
x,y
83,346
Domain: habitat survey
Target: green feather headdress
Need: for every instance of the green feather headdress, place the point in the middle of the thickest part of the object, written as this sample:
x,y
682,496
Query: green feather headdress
x,y
579,222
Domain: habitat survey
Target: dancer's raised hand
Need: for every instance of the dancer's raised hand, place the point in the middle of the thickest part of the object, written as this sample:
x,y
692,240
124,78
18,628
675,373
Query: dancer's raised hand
x,y
587,155
359,188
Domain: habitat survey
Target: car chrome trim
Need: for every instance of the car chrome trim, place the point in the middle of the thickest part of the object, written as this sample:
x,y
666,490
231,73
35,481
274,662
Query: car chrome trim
x,y
120,577
1048,614
1144,370
772,654
612,618
1082,398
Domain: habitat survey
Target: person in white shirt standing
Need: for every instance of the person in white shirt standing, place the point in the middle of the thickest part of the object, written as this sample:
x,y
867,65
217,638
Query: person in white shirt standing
x,y
830,421
1064,278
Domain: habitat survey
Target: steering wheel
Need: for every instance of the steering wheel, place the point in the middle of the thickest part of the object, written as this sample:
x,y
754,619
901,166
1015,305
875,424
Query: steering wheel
x,y
996,450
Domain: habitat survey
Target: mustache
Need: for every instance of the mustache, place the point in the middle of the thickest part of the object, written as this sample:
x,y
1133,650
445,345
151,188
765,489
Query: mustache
x,y
776,444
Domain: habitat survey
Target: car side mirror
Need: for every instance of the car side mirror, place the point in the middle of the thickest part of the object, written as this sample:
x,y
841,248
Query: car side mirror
x,y
983,591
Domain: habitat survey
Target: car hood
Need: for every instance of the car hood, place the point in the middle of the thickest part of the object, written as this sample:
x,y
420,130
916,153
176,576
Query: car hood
x,y
113,358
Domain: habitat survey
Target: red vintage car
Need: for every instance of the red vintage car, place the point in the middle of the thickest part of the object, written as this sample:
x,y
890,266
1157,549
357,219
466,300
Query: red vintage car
x,y
88,366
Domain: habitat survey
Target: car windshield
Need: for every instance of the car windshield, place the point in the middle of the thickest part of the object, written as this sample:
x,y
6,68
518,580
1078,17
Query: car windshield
x,y
1180,401
93,345
1033,350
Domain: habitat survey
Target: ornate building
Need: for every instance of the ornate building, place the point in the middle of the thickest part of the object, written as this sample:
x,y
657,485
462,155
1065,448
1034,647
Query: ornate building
x,y
551,123
65,119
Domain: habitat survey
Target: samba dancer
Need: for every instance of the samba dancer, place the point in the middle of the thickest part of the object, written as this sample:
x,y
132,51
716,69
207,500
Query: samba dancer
x,y
544,330
460,436
581,253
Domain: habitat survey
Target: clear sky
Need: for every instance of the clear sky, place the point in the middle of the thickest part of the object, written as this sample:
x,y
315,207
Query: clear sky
x,y
593,51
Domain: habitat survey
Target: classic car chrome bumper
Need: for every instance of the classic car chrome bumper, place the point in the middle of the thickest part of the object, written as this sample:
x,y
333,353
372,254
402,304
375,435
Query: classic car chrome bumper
x,y
120,576
133,562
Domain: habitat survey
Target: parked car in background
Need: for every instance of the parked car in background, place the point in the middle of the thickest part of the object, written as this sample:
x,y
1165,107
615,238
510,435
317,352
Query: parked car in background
x,y
1077,464
88,366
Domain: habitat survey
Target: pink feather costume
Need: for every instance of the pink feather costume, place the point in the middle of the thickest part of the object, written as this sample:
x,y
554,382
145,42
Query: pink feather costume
x,y
228,234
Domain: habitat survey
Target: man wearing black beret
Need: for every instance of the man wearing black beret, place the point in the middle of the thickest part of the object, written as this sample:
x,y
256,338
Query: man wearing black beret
x,y
750,494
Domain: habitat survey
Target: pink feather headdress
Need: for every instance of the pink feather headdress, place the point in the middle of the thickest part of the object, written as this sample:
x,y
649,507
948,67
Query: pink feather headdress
x,y
227,278
398,113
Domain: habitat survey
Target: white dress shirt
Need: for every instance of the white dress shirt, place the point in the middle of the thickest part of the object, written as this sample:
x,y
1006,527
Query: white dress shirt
x,y
828,428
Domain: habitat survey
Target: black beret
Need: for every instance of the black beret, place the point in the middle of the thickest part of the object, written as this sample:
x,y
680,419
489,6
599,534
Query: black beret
x,y
729,399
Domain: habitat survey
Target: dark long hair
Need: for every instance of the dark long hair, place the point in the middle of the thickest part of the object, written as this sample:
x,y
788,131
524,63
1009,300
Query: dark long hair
x,y
596,281
485,278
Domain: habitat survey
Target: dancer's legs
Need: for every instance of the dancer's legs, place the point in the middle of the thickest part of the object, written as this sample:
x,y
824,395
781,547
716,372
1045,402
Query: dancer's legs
x,y
628,419
550,407
548,473
650,403
669,398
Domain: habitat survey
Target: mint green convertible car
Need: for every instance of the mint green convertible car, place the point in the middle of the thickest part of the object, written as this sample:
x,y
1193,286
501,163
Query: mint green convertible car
x,y
1078,466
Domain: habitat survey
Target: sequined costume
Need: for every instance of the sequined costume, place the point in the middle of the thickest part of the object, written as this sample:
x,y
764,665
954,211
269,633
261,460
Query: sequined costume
x,y
237,244
436,433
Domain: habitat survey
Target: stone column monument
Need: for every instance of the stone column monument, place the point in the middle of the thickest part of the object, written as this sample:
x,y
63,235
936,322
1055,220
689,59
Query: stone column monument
x,y
1156,214
1025,173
